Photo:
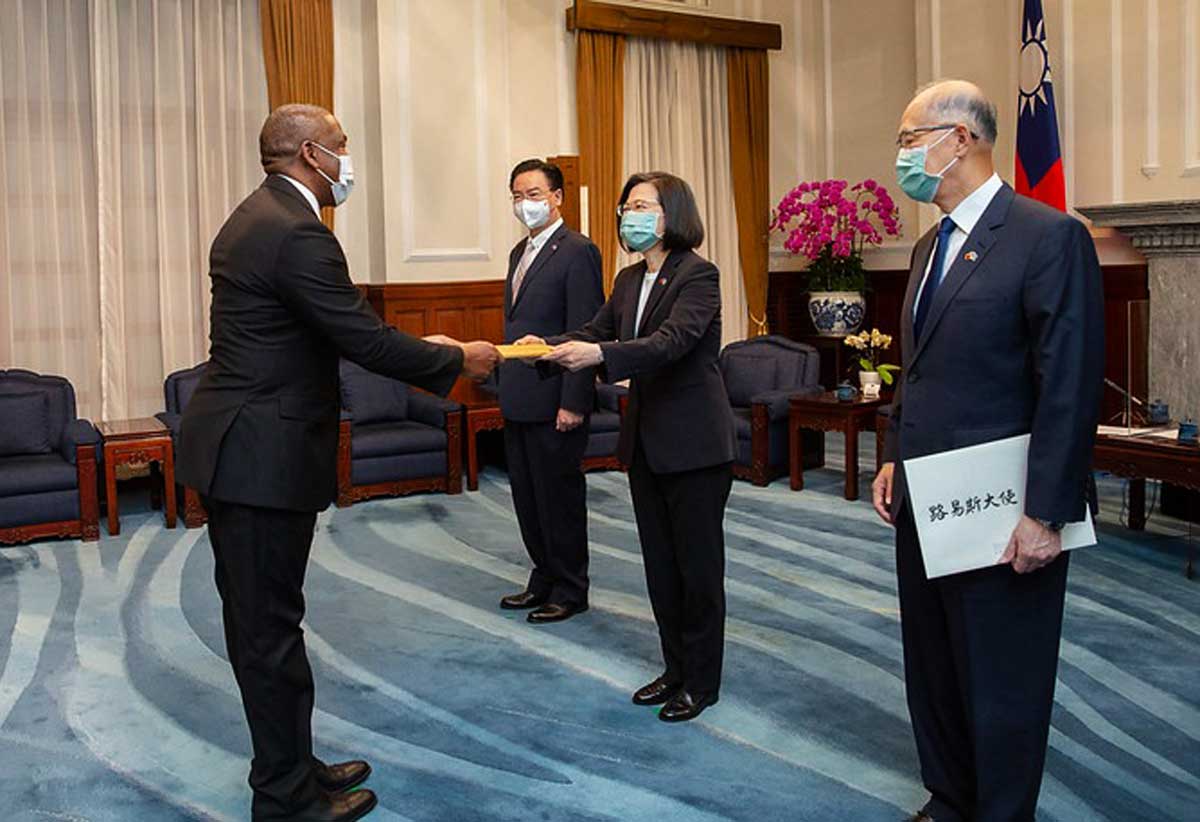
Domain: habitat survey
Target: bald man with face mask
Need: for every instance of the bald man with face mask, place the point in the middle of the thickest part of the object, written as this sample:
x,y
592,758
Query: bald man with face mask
x,y
258,440
1002,334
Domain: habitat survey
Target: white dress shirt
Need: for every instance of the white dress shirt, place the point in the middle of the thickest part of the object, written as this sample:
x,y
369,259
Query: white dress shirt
x,y
647,286
308,195
533,247
540,239
964,217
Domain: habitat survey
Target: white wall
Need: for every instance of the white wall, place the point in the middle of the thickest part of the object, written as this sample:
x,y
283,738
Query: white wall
x,y
442,97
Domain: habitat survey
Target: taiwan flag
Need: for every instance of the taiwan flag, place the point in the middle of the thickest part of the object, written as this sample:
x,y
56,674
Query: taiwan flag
x,y
1039,169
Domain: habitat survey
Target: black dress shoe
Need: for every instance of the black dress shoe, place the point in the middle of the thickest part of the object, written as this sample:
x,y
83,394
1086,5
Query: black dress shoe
x,y
683,706
341,807
657,692
553,612
521,601
342,776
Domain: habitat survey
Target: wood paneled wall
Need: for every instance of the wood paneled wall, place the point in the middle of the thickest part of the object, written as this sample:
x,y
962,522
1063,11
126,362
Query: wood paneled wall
x,y
1126,329
471,310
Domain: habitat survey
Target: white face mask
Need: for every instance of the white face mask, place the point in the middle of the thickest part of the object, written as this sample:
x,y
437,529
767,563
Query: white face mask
x,y
340,188
533,213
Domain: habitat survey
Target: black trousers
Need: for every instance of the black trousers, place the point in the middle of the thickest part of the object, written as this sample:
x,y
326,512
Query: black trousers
x,y
681,525
980,661
261,555
550,497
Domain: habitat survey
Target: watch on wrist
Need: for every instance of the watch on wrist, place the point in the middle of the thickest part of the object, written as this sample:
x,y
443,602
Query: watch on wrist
x,y
1051,524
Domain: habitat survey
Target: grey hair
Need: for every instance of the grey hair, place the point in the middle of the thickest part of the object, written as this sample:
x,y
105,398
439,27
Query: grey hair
x,y
971,109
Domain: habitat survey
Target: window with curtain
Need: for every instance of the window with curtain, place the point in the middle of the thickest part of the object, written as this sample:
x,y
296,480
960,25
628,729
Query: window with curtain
x,y
129,132
677,120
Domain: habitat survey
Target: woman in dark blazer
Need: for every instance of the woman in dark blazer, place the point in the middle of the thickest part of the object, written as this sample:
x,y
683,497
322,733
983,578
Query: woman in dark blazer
x,y
661,328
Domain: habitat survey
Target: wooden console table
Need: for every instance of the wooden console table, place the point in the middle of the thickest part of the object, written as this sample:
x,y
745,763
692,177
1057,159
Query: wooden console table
x,y
128,442
479,418
826,413
1141,458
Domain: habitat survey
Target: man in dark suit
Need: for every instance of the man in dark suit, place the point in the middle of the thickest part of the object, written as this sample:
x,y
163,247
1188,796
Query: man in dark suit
x,y
259,439
554,285
1002,334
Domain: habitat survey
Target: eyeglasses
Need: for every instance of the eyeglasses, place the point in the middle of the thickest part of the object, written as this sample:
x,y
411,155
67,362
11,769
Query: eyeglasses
x,y
638,205
531,194
908,137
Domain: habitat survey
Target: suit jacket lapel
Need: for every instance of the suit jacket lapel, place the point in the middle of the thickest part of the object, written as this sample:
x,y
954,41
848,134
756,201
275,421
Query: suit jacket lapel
x,y
540,261
979,242
658,289
514,259
920,260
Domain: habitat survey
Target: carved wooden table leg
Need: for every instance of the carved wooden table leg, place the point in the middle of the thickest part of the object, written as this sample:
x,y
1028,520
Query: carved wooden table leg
x,y
168,470
110,493
852,459
1137,504
472,454
795,455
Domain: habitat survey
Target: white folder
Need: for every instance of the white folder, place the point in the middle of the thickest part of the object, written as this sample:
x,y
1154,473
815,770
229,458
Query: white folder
x,y
967,502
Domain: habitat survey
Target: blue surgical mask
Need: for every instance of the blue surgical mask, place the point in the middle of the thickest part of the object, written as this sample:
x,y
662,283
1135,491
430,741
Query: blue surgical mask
x,y
639,230
344,184
914,180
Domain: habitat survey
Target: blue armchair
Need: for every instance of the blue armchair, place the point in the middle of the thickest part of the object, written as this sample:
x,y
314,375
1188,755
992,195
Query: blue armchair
x,y
601,451
760,375
395,439
48,461
177,391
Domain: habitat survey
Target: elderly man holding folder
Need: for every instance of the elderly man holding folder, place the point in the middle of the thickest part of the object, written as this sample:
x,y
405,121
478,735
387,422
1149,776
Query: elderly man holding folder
x,y
1003,335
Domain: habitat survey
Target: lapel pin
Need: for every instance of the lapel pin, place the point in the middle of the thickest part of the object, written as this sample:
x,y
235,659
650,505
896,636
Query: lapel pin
x,y
662,281
971,256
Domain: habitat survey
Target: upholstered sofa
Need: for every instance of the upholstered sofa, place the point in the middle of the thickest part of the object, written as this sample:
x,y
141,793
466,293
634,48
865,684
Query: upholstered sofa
x,y
177,391
760,375
48,461
395,439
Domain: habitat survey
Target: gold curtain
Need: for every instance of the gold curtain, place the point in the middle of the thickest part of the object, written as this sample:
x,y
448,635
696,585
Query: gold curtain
x,y
298,53
600,99
749,160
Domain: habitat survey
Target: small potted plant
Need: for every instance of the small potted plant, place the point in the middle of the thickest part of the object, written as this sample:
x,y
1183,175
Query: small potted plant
x,y
872,375
831,228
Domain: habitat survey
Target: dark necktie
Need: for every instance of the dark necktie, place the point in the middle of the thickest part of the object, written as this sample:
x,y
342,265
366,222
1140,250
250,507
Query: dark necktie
x,y
935,275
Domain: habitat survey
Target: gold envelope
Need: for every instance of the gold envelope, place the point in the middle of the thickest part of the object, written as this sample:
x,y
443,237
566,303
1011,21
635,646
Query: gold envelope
x,y
524,352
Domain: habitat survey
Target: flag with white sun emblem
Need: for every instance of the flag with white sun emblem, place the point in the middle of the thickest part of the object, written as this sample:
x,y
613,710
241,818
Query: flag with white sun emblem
x,y
1039,169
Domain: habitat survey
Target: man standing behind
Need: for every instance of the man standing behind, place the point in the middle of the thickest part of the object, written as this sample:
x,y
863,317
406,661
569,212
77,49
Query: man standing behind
x,y
259,440
1003,334
554,286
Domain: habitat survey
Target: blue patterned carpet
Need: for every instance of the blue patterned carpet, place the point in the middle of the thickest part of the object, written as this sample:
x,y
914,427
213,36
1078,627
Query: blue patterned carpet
x,y
116,702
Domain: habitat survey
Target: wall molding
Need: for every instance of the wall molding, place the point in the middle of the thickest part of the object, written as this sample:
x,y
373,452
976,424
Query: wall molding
x,y
827,53
1118,115
1191,90
1152,165
1067,70
935,38
410,251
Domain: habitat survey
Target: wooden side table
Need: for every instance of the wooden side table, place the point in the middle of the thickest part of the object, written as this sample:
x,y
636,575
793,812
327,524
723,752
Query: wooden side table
x,y
137,441
825,413
479,418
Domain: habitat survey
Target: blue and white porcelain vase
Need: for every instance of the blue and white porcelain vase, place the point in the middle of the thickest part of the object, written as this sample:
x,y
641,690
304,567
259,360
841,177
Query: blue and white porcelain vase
x,y
836,313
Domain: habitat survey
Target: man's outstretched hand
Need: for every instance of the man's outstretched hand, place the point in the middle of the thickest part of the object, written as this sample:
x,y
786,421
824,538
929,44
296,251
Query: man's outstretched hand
x,y
479,359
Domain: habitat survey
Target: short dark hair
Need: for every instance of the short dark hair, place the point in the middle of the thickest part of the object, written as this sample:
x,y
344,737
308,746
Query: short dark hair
x,y
286,129
554,175
682,227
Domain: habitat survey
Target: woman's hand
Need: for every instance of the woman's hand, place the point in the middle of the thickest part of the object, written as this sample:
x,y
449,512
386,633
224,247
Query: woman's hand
x,y
575,355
